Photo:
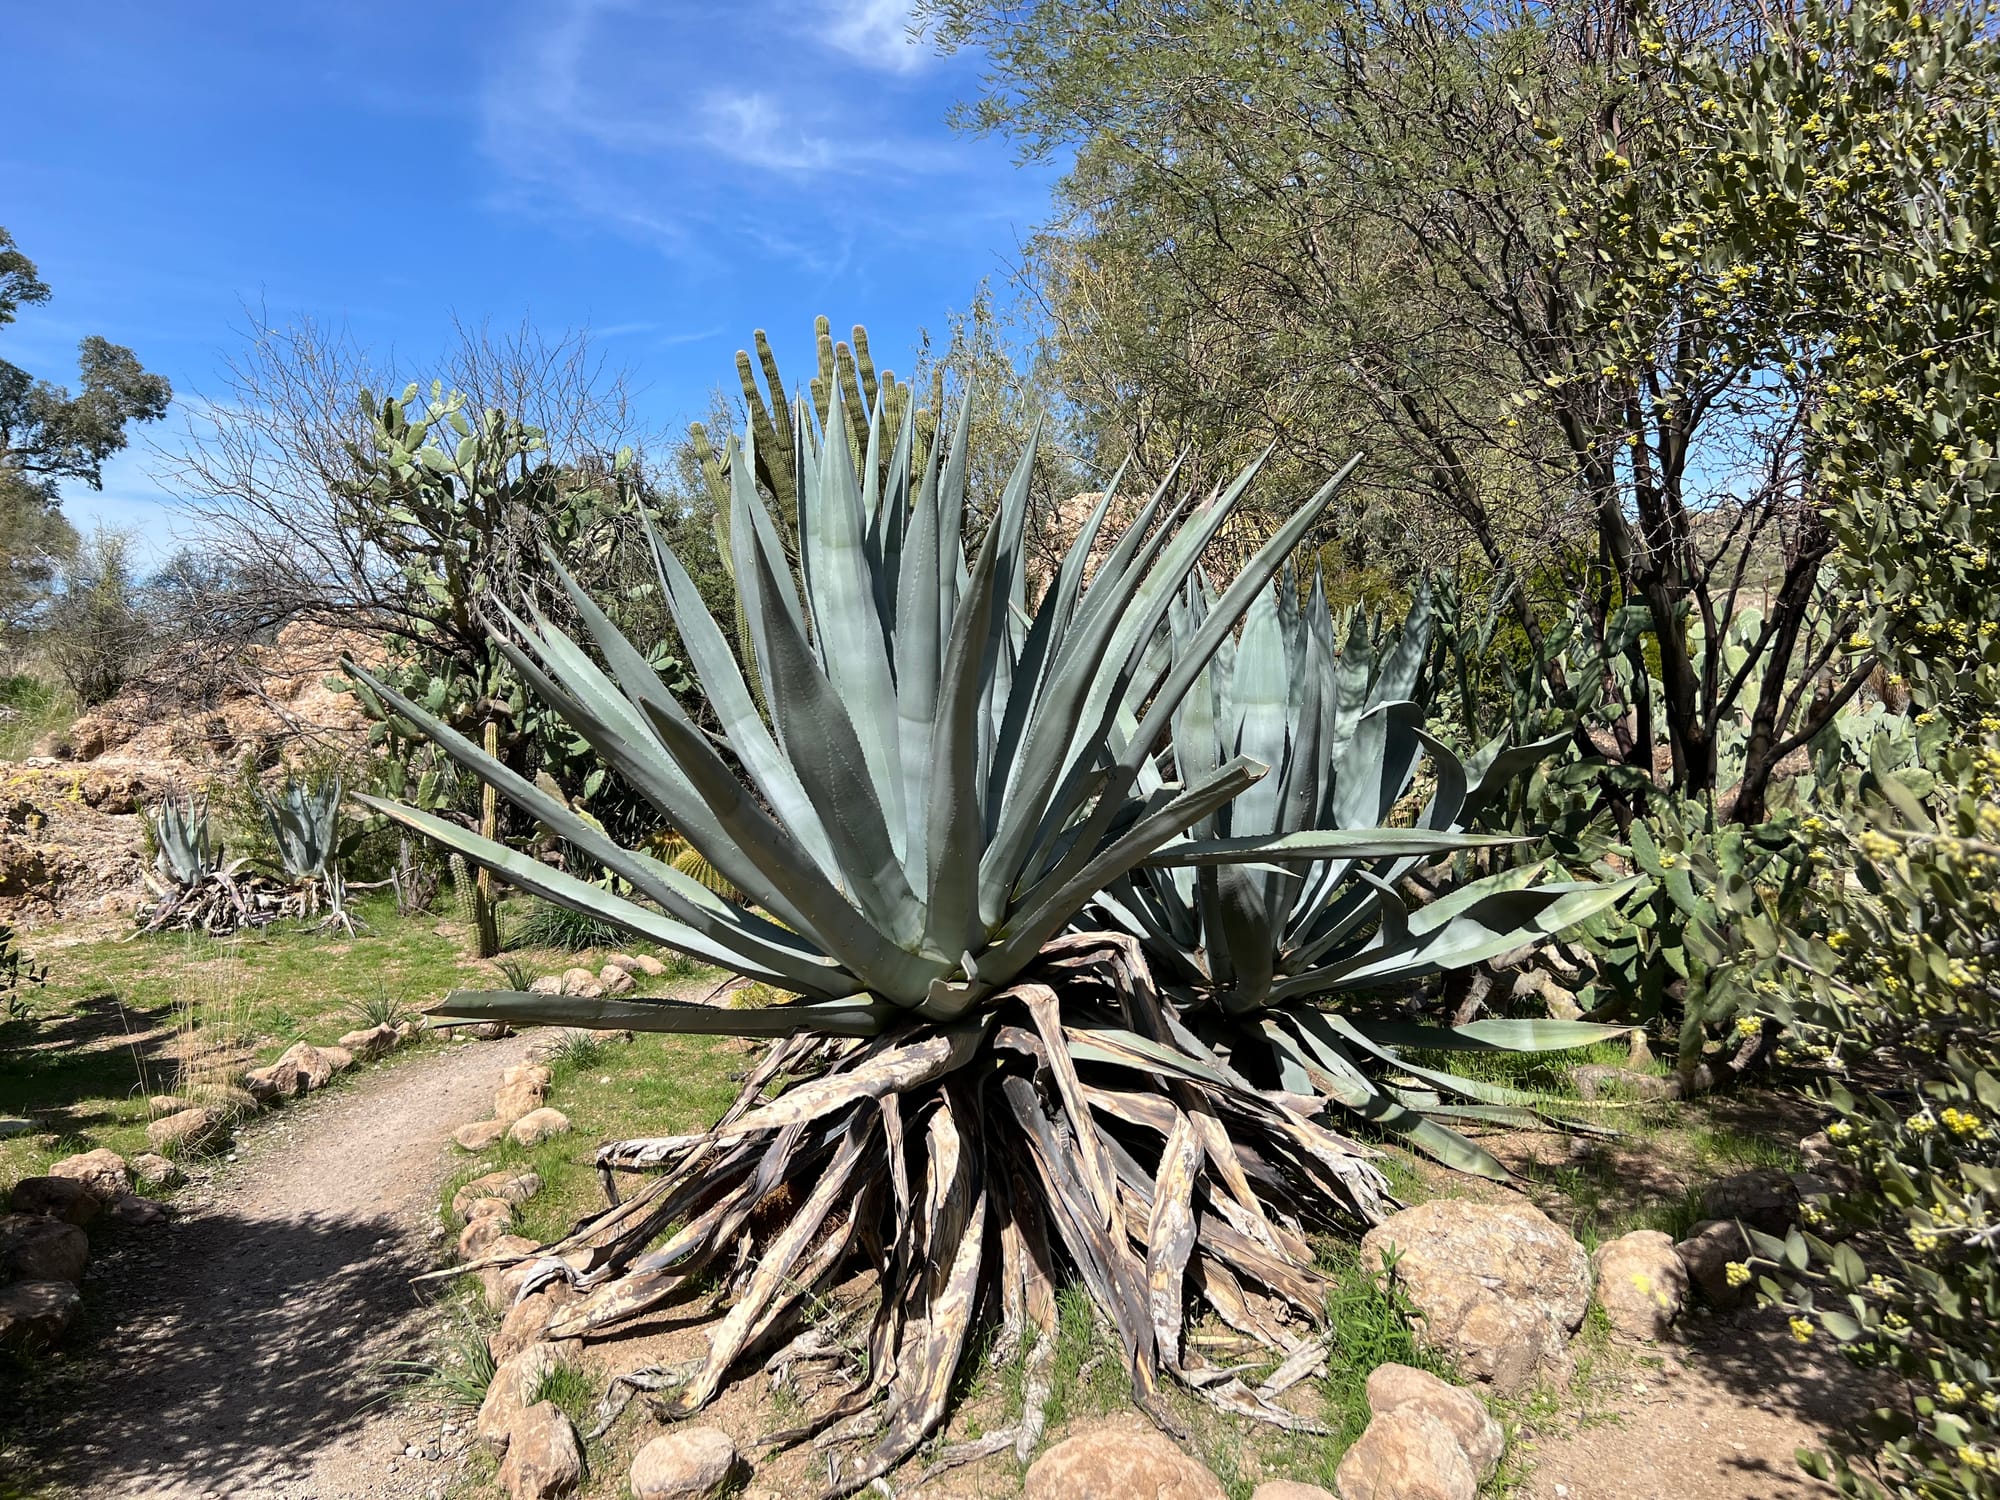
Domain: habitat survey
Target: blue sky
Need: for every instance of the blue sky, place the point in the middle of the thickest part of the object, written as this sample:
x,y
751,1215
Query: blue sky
x,y
671,175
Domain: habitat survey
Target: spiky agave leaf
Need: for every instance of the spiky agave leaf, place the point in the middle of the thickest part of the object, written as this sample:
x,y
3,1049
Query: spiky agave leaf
x,y
1329,706
186,851
305,825
939,778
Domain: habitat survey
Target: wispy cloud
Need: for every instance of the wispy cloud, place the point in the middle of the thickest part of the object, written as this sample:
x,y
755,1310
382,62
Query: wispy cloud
x,y
876,33
590,112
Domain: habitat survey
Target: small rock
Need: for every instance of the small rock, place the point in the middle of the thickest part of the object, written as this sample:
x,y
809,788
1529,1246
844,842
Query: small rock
x,y
1816,1150
35,1314
35,1247
1400,1387
409,1031
537,1126
650,966
1599,1080
483,1229
103,1172
372,1043
689,1463
486,1031
1499,1287
514,1380
1289,1489
300,1069
1406,1454
507,1185
135,1212
188,1130
11,1127
1641,1283
580,982
150,1169
1117,1463
503,1283
623,961
64,1198
528,1319
1707,1252
547,984
613,980
161,1105
1765,1199
523,1088
543,1459
479,1135
227,1100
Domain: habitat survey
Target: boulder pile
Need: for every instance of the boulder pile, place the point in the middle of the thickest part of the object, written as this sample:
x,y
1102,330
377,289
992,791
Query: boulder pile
x,y
44,1250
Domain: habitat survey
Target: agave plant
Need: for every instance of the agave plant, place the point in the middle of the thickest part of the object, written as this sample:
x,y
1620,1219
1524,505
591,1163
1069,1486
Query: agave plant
x,y
1257,950
305,825
194,888
186,851
941,775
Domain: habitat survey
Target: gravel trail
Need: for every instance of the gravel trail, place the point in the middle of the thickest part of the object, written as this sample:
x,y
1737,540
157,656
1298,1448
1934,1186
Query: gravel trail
x,y
242,1351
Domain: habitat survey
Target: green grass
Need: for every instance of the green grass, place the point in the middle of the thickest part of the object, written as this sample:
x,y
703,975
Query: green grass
x,y
570,1387
1550,1074
1728,1151
1370,1328
544,925
654,1085
41,709
460,1367
121,1015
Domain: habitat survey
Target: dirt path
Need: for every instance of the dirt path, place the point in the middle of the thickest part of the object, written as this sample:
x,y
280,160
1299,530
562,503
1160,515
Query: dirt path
x,y
240,1352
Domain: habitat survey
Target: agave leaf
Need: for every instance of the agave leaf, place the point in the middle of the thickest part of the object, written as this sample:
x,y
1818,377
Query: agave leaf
x,y
1494,1034
856,1015
1327,843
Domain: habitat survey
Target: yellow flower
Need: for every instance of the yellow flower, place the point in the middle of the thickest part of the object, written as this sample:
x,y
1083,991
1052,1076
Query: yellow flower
x,y
1802,1330
1958,1122
1839,1130
1950,1392
1922,1240
1737,1274
1877,845
1921,1124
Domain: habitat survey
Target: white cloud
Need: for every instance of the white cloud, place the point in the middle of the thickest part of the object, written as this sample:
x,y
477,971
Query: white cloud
x,y
876,33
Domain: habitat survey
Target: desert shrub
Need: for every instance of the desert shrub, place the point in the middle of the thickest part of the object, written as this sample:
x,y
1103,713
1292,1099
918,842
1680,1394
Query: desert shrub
x,y
547,925
1905,976
96,631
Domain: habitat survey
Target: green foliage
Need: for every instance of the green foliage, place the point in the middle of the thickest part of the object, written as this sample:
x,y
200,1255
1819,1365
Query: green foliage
x,y
461,1368
97,629
1827,204
1905,973
35,707
548,925
1375,1325
883,671
469,511
48,435
1329,705
16,970
186,851
381,1009
304,824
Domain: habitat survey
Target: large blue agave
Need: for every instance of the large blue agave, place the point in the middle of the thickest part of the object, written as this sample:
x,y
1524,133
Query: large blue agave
x,y
938,770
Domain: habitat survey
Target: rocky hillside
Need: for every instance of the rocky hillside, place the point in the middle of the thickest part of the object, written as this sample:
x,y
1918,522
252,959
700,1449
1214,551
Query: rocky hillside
x,y
71,822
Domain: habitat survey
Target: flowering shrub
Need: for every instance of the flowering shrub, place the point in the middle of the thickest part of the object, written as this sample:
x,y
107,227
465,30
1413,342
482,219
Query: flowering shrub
x,y
1907,975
